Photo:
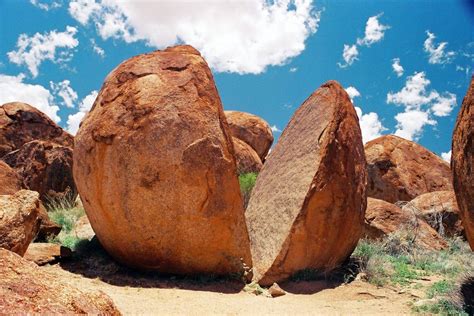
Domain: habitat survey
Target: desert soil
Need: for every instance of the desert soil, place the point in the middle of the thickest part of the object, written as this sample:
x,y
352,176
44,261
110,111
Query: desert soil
x,y
170,296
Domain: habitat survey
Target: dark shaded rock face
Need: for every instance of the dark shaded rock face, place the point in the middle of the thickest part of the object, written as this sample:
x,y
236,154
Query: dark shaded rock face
x,y
25,289
307,208
156,148
10,181
21,123
45,167
400,170
462,162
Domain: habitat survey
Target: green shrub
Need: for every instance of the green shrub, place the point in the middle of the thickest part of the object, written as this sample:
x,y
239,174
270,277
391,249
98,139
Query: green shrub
x,y
247,182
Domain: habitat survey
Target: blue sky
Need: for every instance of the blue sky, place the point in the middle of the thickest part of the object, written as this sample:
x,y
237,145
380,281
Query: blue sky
x,y
406,64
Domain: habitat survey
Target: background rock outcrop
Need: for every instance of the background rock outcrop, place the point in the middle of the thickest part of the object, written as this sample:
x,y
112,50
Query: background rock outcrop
x,y
10,181
19,220
21,123
462,162
440,210
25,289
383,218
154,165
307,207
400,170
251,129
45,167
246,158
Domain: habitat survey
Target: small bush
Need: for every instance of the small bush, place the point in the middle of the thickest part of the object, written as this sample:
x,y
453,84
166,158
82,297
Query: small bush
x,y
247,182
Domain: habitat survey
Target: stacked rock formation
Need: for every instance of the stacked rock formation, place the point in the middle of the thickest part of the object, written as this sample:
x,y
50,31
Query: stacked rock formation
x,y
307,207
462,162
246,158
400,170
154,165
383,218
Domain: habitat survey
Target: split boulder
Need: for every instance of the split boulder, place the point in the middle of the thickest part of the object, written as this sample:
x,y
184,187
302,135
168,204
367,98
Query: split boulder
x,y
307,208
154,165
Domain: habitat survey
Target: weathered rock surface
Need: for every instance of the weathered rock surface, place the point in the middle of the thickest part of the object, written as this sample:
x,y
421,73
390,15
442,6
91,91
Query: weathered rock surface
x,y
83,229
154,164
19,220
21,123
383,218
247,159
10,181
26,289
307,207
251,129
45,167
440,210
400,170
462,162
44,253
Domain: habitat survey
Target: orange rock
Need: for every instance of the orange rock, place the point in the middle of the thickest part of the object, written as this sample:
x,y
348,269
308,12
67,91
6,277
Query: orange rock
x,y
10,181
45,167
440,210
21,123
462,162
19,220
247,159
307,207
154,164
26,289
383,218
400,170
251,129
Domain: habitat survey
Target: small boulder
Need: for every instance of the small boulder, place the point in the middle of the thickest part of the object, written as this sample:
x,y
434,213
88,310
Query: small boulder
x,y
307,208
10,181
83,229
45,167
45,253
440,210
400,170
19,220
26,289
462,162
247,159
154,164
251,129
275,290
21,123
383,218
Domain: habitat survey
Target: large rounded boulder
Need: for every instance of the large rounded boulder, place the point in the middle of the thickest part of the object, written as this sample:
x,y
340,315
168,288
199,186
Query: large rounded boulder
x,y
462,162
21,123
251,129
400,170
19,220
246,158
45,167
10,181
307,208
154,165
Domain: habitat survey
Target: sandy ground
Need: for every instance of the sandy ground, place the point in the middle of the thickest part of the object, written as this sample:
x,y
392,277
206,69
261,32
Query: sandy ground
x,y
169,296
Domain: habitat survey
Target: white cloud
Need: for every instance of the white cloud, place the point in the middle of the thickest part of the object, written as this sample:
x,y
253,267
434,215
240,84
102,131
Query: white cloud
x,y
420,104
446,156
397,67
64,91
437,54
293,69
97,49
32,51
411,122
349,54
275,129
352,92
374,31
74,120
233,36
46,6
12,88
